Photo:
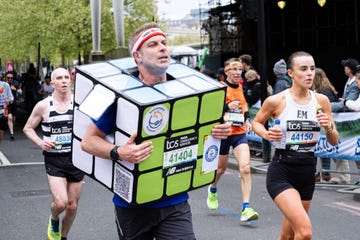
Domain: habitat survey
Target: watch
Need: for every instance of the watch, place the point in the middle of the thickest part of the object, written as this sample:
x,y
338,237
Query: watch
x,y
114,155
330,129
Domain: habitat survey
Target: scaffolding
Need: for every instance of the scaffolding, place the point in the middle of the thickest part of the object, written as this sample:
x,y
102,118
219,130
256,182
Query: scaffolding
x,y
221,26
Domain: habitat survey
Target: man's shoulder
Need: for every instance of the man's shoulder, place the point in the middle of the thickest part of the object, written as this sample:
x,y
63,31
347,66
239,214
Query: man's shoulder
x,y
43,104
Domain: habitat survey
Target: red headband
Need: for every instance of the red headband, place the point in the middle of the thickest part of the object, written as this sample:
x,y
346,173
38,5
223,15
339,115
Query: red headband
x,y
149,33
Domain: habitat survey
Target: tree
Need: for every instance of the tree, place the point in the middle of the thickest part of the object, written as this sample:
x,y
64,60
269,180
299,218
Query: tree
x,y
63,27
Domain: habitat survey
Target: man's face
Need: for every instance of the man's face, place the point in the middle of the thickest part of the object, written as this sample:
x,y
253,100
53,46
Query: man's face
x,y
154,54
347,71
61,82
233,73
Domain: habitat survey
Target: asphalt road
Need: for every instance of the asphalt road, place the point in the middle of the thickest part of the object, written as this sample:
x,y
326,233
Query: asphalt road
x,y
25,201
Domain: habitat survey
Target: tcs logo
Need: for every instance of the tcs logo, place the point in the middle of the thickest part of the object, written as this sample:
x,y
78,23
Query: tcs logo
x,y
293,126
172,144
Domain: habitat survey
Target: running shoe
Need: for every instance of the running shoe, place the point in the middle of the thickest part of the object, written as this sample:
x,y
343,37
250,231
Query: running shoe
x,y
249,214
212,200
52,235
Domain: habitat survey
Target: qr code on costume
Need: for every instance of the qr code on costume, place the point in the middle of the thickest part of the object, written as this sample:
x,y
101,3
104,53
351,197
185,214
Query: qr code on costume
x,y
123,183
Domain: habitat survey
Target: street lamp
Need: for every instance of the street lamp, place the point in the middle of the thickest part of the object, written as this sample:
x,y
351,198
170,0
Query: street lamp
x,y
281,4
321,2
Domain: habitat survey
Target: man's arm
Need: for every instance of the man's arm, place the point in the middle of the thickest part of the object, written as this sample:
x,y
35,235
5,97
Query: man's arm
x,y
338,107
352,92
354,105
94,143
31,124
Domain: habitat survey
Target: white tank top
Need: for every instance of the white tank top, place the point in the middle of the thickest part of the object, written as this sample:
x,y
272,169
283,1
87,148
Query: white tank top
x,y
301,130
58,127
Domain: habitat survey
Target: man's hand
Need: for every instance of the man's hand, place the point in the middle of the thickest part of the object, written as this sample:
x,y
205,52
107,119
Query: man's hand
x,y
248,125
221,131
133,153
46,145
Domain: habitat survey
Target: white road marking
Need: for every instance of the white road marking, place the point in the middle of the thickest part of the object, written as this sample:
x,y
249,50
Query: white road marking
x,y
3,160
352,209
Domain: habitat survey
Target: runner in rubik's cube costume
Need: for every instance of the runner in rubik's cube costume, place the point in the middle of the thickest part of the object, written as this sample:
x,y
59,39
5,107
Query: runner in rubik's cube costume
x,y
176,116
176,125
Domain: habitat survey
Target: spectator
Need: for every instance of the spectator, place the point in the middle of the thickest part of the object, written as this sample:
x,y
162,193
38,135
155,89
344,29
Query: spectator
x,y
253,89
46,89
220,75
12,107
31,86
168,218
322,84
246,61
354,105
351,92
10,69
282,81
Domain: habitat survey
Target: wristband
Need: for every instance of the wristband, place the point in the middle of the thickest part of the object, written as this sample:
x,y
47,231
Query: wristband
x,y
330,129
246,115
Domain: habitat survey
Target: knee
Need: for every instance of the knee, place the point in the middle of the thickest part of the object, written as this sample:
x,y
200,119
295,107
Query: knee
x,y
71,210
306,235
305,232
286,236
245,169
220,171
60,204
72,206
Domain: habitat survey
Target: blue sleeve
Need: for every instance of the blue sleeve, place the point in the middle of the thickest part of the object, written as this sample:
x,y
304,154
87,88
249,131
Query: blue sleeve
x,y
352,93
338,107
107,121
280,85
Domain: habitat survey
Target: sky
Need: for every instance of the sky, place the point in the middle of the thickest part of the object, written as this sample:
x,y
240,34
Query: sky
x,y
176,9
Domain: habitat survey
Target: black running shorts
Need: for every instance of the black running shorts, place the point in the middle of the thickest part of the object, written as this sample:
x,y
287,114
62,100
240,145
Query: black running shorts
x,y
282,175
172,222
60,165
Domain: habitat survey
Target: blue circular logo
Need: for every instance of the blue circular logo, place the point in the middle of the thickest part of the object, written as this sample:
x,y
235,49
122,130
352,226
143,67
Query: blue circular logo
x,y
155,119
211,153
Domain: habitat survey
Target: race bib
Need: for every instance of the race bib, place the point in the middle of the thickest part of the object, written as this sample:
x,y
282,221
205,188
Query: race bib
x,y
235,117
180,154
61,135
302,134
